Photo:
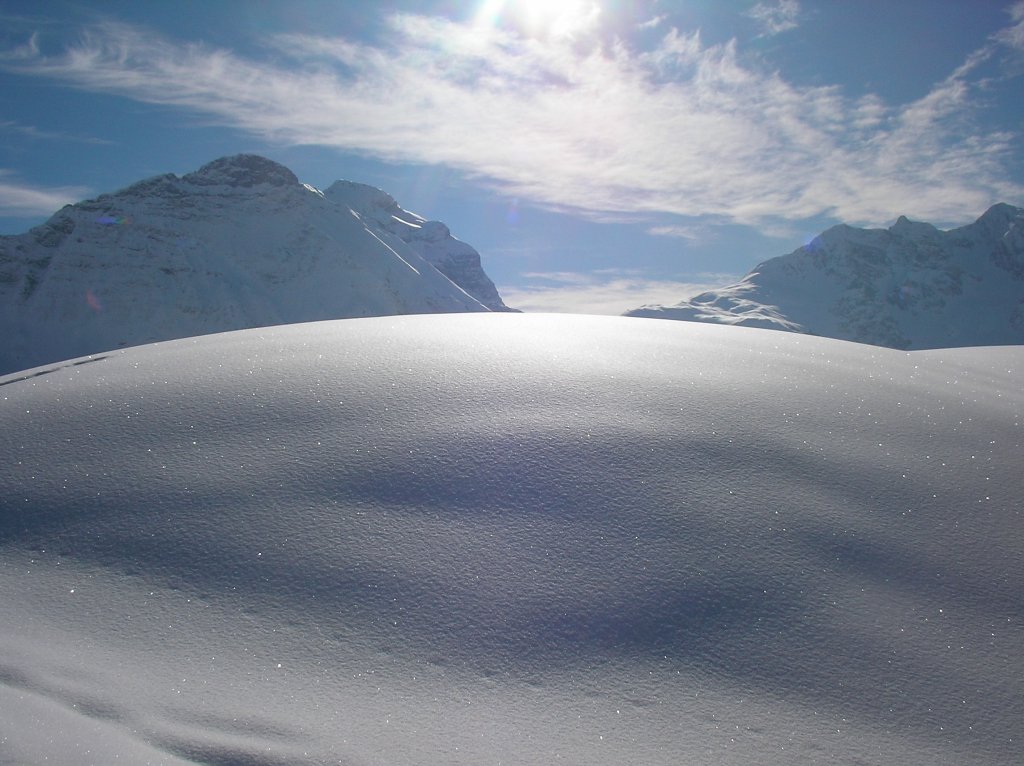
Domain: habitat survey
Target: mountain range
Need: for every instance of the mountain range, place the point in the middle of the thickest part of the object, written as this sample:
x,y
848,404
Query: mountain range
x,y
238,243
910,286
242,243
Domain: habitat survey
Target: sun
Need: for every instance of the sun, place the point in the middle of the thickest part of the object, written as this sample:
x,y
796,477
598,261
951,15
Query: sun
x,y
541,18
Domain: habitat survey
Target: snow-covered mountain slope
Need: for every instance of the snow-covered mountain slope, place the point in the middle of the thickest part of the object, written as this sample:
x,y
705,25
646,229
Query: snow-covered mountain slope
x,y
911,286
431,240
238,243
522,539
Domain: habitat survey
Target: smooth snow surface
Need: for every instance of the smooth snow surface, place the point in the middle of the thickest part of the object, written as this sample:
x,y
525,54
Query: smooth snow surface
x,y
513,539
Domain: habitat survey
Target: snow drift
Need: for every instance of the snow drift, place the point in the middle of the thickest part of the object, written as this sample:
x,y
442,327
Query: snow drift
x,y
518,539
910,286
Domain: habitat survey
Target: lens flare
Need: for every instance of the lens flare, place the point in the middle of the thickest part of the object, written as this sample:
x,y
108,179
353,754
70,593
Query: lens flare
x,y
540,18
92,301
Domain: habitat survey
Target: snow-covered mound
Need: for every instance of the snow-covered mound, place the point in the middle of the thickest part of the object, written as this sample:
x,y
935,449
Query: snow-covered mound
x,y
519,539
911,286
239,243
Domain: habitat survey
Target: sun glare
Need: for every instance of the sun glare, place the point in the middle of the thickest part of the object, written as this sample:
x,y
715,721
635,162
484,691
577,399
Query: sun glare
x,y
540,18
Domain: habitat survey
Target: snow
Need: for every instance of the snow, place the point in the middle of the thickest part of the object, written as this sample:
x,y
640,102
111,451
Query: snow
x,y
239,243
431,240
519,539
911,286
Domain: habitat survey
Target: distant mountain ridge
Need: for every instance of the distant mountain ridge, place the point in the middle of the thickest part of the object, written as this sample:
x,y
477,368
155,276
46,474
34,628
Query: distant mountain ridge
x,y
238,243
910,286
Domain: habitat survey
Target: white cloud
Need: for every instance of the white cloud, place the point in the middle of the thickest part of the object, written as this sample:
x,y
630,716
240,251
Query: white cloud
x,y
775,18
652,23
1013,36
607,291
18,200
690,233
38,134
686,128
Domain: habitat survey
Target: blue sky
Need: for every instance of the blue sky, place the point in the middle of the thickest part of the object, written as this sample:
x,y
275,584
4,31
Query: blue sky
x,y
600,154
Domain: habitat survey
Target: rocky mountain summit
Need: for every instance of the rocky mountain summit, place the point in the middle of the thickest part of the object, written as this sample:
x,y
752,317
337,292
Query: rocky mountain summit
x,y
910,286
238,243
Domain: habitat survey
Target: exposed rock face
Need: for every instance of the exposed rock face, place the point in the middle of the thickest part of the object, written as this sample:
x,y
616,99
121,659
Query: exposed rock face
x,y
909,286
238,243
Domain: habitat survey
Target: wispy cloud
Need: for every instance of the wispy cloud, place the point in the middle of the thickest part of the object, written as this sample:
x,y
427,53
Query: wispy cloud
x,y
38,134
689,233
606,130
608,291
1013,36
652,23
777,17
19,200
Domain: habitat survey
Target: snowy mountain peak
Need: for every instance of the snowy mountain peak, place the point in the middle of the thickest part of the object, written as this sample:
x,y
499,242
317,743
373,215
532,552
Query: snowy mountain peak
x,y
909,286
238,243
363,197
432,240
242,170
904,227
1002,212
1003,221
